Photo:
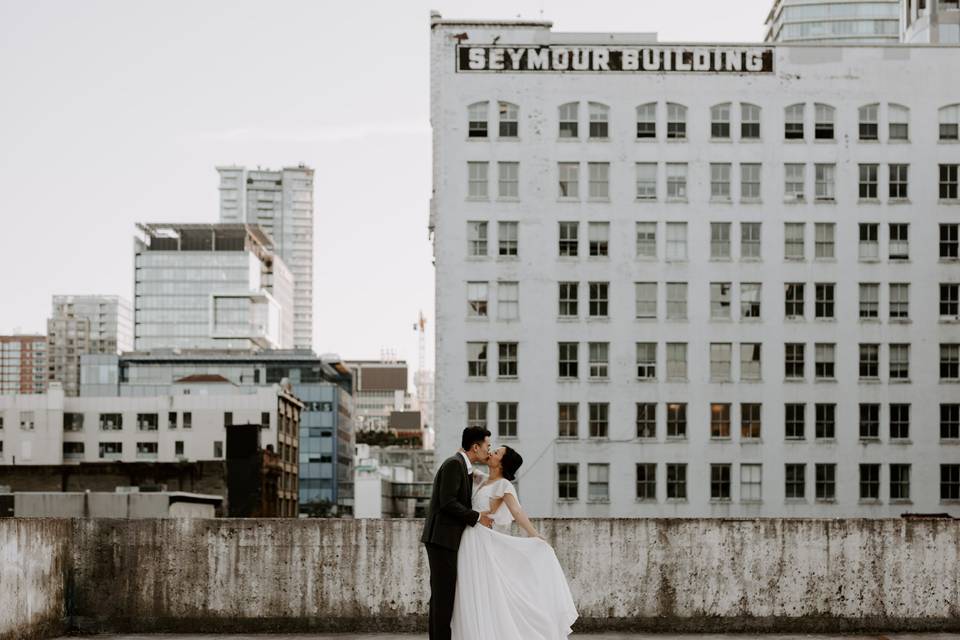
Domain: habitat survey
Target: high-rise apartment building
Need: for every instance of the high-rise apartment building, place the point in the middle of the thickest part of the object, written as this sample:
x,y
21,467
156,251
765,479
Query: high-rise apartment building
x,y
23,364
930,21
699,280
82,325
281,203
834,21
210,286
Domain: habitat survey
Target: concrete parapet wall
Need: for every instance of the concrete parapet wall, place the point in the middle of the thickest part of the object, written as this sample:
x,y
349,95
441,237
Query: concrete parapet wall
x,y
351,575
35,556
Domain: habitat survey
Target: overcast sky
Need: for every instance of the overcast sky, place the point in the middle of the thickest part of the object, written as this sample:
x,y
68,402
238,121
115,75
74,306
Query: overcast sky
x,y
113,112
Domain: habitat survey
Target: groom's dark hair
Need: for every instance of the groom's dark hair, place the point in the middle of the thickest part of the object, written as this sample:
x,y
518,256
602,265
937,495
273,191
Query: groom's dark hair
x,y
472,436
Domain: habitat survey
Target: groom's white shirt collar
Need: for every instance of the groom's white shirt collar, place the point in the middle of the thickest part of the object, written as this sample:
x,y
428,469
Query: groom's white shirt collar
x,y
467,460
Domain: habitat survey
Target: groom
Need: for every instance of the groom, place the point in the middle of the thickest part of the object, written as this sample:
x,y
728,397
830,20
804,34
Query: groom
x,y
449,514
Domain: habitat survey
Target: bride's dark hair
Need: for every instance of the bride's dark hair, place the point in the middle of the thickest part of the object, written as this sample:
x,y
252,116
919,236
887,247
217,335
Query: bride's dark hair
x,y
510,463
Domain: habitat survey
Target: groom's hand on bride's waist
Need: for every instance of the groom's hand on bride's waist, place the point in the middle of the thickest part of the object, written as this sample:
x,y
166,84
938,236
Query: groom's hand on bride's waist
x,y
485,519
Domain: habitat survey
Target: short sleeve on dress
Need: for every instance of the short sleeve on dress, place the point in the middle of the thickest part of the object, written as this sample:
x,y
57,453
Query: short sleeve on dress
x,y
504,486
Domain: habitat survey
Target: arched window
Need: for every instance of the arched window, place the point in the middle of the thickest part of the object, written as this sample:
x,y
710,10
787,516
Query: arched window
x,y
823,127
899,122
869,117
793,122
720,121
509,120
569,115
647,120
749,121
477,120
599,120
676,121
950,122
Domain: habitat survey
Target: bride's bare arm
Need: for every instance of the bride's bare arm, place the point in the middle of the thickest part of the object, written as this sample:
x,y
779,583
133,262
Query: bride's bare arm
x,y
514,505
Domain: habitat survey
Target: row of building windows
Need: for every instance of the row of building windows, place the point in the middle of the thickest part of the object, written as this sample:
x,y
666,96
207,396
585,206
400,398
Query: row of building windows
x,y
114,450
795,358
751,483
797,299
795,240
722,121
648,185
73,422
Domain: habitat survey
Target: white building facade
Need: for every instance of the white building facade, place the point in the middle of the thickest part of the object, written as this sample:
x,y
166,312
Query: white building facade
x,y
699,280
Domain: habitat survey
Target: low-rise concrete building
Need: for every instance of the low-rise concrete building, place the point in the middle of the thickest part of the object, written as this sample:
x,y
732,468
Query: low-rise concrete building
x,y
102,504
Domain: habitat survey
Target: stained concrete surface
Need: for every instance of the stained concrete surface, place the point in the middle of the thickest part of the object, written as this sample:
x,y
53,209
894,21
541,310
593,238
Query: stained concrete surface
x,y
576,636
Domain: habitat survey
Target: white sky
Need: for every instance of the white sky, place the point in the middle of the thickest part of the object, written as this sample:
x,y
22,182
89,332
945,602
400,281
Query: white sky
x,y
114,112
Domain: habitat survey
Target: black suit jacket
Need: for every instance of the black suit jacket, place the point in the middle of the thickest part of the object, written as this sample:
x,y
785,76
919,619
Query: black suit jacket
x,y
450,505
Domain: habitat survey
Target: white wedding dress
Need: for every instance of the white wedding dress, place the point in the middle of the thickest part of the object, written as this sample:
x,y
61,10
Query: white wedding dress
x,y
508,588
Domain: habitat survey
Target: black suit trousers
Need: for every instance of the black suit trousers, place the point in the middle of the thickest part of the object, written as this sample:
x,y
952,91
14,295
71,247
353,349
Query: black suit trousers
x,y
443,588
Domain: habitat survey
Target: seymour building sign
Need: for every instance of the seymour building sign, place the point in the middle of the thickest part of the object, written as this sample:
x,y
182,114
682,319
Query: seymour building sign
x,y
600,59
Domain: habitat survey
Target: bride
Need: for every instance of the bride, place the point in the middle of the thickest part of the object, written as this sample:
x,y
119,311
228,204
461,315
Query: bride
x,y
508,587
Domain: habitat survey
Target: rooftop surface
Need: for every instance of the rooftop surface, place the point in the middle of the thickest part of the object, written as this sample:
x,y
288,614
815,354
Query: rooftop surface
x,y
576,636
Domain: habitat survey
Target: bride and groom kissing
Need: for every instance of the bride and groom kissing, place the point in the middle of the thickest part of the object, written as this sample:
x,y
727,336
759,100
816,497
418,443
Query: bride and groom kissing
x,y
483,581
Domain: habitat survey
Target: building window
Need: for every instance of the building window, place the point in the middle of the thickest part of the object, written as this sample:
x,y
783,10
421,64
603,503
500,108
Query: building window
x,y
750,368
720,482
720,181
646,482
509,120
898,181
793,122
750,300
508,238
869,421
869,122
477,359
568,419
567,483
749,121
599,359
187,420
720,240
949,482
676,180
899,362
599,180
825,233
794,360
599,120
869,362
569,239
598,236
948,181
826,421
869,181
794,181
646,239
74,421
899,421
795,481
676,121
568,360
949,421
949,301
646,181
720,361
509,180
720,300
720,421
647,121
899,241
869,241
720,121
950,122
794,421
172,420
750,181
676,241
824,361
825,182
111,450
569,116
826,482
508,300
476,238
647,360
676,481
899,117
647,420
949,241
568,299
477,414
178,448
676,420
676,301
148,421
507,419
477,125
750,423
507,359
646,295
823,125
676,361
750,241
477,299
869,301
598,479
108,422
599,299
794,241
750,483
477,185
825,300
950,362
793,297
870,482
569,173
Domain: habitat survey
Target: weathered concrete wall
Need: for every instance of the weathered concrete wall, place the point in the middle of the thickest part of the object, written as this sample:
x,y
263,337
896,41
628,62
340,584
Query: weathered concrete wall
x,y
34,558
350,575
